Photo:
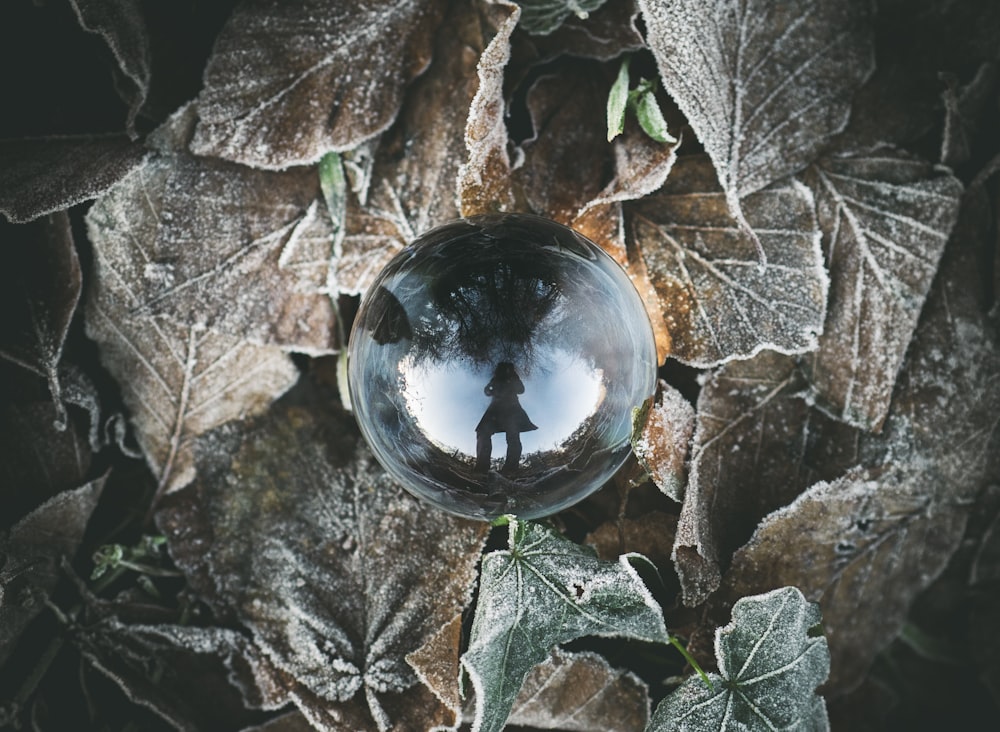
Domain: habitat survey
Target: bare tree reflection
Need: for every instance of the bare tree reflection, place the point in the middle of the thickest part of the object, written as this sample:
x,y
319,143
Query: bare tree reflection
x,y
504,414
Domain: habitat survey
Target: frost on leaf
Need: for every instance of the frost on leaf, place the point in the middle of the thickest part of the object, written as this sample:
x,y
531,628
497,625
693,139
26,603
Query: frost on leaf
x,y
542,17
581,692
41,176
886,218
893,522
414,178
122,26
294,528
664,438
289,82
764,85
543,591
30,557
758,444
39,292
770,663
483,180
717,301
178,377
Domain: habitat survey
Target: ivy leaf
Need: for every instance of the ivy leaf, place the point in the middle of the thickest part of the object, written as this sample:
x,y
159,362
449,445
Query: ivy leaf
x,y
285,85
543,591
581,692
39,292
770,663
716,300
763,85
541,17
294,528
886,217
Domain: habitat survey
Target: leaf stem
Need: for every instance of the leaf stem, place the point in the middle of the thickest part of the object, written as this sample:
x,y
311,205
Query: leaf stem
x,y
690,659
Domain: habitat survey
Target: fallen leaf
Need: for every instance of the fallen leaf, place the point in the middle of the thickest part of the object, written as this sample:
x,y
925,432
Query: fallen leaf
x,y
484,179
416,166
664,441
42,176
758,444
122,26
895,520
337,572
178,378
763,85
770,663
31,554
39,291
886,217
718,301
580,691
542,17
288,83
543,591
650,534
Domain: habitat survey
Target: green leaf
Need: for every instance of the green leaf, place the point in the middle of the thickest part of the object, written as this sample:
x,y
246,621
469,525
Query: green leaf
x,y
543,591
333,183
618,101
647,110
541,17
769,667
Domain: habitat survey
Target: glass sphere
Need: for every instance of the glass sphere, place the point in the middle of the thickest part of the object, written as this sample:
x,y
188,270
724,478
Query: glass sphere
x,y
494,365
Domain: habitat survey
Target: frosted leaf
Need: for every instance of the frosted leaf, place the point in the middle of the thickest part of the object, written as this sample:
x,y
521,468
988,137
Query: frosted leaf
x,y
39,292
605,33
294,528
289,82
483,180
414,178
764,85
178,378
581,692
31,555
758,444
664,440
543,591
122,26
239,251
893,522
886,218
42,176
717,301
542,17
770,663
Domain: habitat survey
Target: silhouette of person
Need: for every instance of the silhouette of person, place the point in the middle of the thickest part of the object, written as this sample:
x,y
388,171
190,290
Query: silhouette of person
x,y
505,414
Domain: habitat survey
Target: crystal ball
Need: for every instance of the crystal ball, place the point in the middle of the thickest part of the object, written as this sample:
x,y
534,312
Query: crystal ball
x,y
494,364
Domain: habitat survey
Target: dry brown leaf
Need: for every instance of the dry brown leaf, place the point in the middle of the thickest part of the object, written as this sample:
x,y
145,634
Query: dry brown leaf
x,y
289,82
717,301
484,179
122,26
39,292
416,165
764,85
293,527
893,522
42,176
651,534
580,691
663,445
886,217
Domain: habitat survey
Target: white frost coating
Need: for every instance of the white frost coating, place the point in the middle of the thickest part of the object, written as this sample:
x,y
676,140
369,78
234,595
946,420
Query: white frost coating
x,y
764,85
542,592
663,444
769,670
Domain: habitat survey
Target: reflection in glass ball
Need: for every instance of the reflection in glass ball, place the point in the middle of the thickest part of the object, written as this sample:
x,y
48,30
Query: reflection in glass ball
x,y
494,365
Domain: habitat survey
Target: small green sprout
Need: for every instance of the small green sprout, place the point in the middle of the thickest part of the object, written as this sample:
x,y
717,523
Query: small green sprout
x,y
642,102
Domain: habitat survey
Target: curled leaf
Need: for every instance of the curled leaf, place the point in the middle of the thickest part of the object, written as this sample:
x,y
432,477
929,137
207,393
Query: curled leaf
x,y
542,17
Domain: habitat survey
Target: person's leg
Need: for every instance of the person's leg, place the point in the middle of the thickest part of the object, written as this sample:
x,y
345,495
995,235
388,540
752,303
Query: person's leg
x,y
513,451
484,451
